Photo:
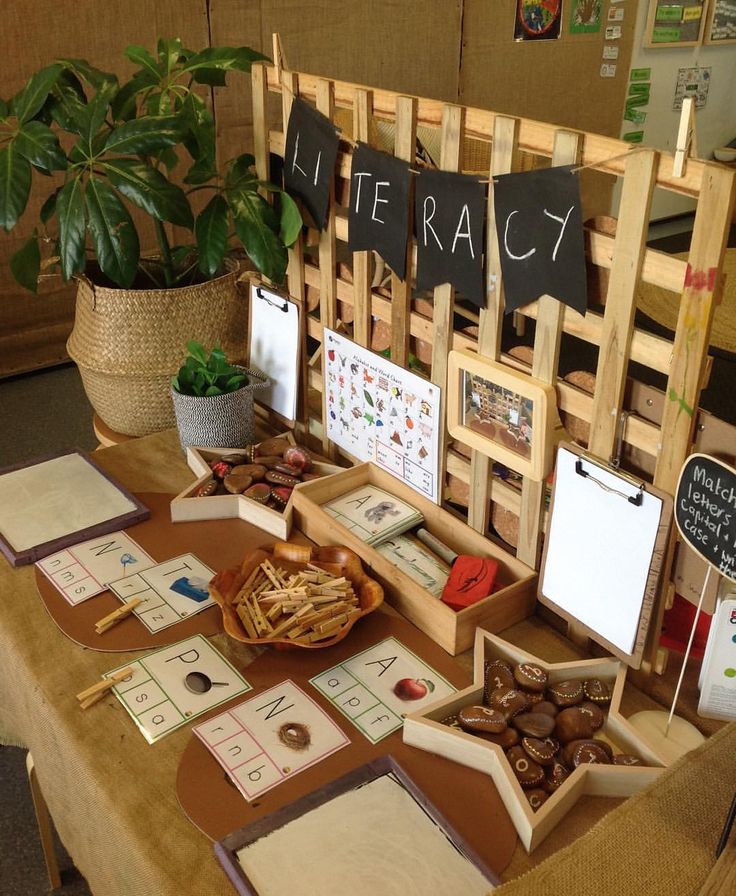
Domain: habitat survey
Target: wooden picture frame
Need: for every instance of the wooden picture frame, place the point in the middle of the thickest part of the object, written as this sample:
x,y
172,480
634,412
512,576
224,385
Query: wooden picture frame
x,y
673,24
75,500
721,20
501,412
227,849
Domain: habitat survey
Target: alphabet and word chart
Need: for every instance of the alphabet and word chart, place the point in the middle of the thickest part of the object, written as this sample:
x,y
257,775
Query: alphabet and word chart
x,y
377,411
270,738
169,591
375,689
172,686
86,569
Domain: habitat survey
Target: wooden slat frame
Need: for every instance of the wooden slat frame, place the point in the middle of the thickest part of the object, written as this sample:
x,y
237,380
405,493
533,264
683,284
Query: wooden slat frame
x,y
613,331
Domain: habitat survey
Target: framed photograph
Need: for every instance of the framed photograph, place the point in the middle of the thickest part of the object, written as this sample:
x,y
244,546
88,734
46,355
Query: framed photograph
x,y
501,412
720,26
675,24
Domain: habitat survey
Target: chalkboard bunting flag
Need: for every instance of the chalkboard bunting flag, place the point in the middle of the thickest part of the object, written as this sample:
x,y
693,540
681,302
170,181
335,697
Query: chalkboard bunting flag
x,y
448,220
540,235
309,158
379,206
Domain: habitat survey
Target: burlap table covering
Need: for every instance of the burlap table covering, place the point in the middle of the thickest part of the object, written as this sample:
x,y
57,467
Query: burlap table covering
x,y
113,797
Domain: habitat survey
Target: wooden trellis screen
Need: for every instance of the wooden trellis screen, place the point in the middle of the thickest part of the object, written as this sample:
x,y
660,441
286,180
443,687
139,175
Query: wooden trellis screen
x,y
344,291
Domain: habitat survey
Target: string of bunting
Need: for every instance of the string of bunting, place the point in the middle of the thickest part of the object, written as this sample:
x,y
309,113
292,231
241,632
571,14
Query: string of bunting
x,y
538,215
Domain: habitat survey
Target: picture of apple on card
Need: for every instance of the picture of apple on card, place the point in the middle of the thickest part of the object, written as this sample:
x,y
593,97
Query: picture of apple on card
x,y
171,686
169,591
270,738
85,569
375,689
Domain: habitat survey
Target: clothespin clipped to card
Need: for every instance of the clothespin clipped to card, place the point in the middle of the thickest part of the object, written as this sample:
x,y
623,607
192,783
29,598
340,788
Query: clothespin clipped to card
x,y
107,622
91,695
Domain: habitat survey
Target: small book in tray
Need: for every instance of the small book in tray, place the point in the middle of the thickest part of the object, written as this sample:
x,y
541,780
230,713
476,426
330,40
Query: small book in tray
x,y
374,515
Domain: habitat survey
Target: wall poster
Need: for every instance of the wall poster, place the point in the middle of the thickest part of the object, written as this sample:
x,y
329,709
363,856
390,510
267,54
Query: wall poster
x,y
537,19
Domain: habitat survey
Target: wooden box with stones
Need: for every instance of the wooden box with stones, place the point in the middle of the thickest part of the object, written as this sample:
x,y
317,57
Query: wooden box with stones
x,y
546,733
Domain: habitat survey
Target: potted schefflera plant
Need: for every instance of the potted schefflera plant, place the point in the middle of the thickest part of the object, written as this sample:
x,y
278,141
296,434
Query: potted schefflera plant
x,y
140,154
213,400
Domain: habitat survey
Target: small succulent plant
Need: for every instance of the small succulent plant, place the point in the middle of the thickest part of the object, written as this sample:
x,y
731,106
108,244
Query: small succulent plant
x,y
205,374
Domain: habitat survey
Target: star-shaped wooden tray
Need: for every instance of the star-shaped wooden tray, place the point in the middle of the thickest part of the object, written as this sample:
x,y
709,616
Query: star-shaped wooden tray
x,y
426,730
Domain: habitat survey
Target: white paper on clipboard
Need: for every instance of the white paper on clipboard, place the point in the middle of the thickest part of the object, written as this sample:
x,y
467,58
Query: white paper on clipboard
x,y
600,549
274,348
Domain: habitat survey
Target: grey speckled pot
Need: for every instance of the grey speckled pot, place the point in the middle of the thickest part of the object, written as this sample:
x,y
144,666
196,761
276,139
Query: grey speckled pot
x,y
218,421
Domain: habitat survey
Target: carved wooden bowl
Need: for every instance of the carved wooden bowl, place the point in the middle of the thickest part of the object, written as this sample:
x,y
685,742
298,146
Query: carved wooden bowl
x,y
336,560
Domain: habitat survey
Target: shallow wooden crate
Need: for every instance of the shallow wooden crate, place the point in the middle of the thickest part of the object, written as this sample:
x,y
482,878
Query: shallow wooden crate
x,y
454,631
186,508
426,731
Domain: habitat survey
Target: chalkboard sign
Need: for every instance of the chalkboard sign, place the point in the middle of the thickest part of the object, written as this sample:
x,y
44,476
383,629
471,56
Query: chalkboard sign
x,y
449,218
379,206
309,158
705,511
540,237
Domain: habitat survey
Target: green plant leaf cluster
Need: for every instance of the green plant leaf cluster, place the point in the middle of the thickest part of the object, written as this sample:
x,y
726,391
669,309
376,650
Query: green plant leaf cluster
x,y
120,147
204,373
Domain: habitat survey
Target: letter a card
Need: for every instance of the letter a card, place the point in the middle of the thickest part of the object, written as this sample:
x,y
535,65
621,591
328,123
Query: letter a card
x,y
270,738
375,689
174,685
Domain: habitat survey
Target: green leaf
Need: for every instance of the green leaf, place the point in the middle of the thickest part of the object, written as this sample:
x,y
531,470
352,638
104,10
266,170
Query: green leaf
x,y
239,172
125,103
113,233
213,77
200,142
263,246
168,158
48,208
87,122
211,230
213,390
150,190
201,172
37,143
67,103
70,212
15,185
141,56
142,136
235,382
25,264
103,82
291,219
223,58
31,98
197,351
3,109
168,53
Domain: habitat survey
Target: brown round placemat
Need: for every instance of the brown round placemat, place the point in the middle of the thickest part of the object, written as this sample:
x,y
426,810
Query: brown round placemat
x,y
468,799
218,543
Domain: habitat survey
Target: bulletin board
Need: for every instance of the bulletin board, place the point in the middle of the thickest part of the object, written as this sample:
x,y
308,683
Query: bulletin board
x,y
720,26
389,314
675,24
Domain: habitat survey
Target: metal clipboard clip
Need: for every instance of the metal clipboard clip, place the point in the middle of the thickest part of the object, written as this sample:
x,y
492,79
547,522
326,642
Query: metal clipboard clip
x,y
636,499
282,304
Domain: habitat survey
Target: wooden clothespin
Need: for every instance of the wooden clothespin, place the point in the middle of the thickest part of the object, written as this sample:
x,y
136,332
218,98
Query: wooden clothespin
x,y
107,622
686,139
279,58
96,692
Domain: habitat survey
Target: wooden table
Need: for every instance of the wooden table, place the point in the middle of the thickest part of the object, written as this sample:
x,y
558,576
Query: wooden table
x,y
111,795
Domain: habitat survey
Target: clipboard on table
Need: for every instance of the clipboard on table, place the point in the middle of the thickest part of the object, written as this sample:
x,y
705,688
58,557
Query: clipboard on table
x,y
275,348
606,541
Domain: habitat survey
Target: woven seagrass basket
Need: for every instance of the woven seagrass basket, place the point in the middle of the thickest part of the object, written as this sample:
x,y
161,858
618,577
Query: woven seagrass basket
x,y
128,343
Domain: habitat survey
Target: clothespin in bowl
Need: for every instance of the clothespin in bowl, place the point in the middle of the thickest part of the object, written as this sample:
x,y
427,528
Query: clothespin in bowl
x,y
91,695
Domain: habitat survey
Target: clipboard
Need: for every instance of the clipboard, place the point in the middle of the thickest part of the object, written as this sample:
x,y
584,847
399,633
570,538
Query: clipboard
x,y
603,554
275,348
